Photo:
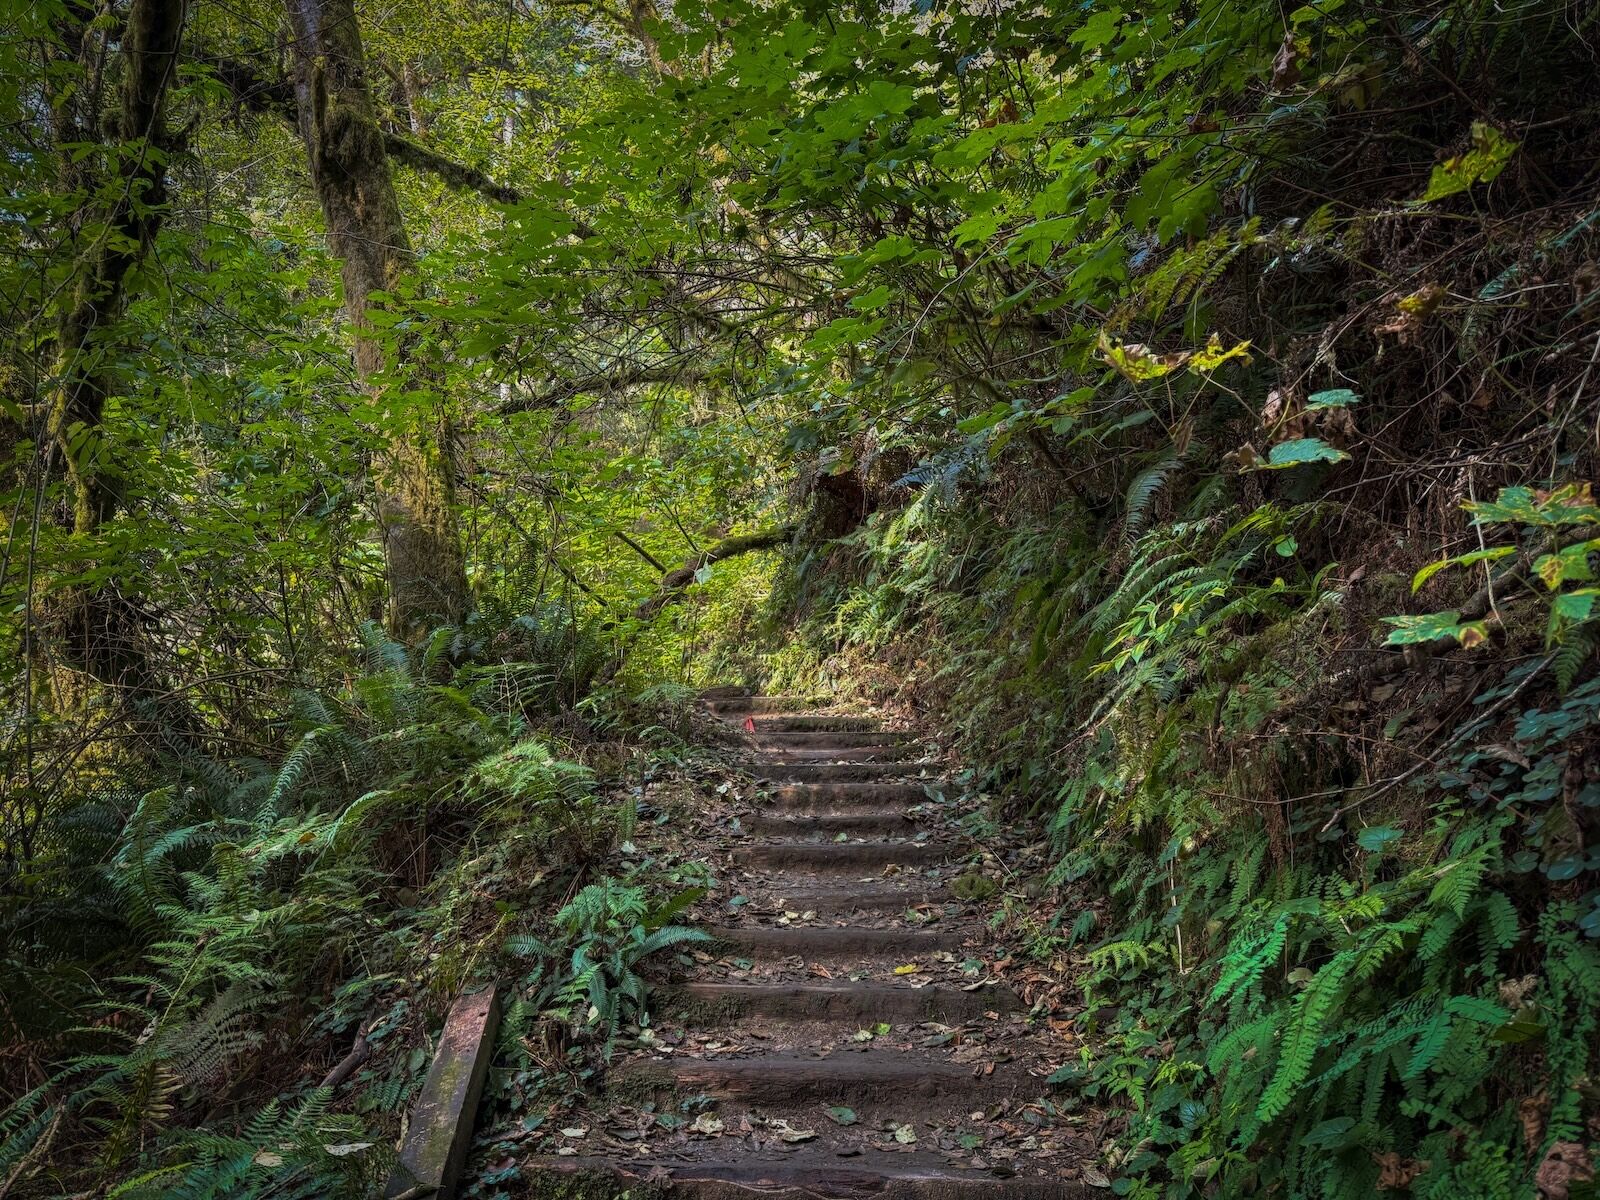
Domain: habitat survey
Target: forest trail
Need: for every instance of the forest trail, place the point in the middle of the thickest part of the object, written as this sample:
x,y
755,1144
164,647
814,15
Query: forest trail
x,y
844,1035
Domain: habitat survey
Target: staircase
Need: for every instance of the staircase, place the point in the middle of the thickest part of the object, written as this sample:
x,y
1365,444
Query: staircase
x,y
845,1035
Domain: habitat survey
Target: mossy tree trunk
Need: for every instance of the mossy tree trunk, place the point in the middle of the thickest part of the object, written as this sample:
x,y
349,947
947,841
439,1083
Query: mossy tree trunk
x,y
351,173
98,628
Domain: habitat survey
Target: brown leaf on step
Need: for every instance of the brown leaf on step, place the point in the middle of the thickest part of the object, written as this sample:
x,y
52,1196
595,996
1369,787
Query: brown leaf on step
x,y
1395,1172
820,970
1565,1164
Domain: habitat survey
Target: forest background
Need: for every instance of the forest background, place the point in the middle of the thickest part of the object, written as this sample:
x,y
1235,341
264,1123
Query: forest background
x,y
1190,405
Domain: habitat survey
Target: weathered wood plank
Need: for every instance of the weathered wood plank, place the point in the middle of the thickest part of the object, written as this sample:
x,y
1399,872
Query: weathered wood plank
x,y
436,1142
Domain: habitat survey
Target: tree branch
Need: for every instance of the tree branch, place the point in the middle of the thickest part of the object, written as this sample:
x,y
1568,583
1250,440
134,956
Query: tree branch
x,y
270,96
674,583
610,381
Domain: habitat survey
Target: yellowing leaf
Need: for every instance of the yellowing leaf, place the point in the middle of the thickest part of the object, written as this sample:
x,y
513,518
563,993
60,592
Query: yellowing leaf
x,y
1213,356
907,969
1491,150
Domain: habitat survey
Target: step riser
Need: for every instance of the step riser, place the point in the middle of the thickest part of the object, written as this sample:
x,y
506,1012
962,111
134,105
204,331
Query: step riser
x,y
830,857
818,723
841,797
745,705
829,739
820,942
777,756
854,1006
865,903
797,771
579,1180
826,825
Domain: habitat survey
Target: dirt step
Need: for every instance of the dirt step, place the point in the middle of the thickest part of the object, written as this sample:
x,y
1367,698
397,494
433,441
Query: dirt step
x,y
831,942
735,1174
859,1002
829,798
796,770
760,704
830,738
817,722
826,825
823,857
917,1084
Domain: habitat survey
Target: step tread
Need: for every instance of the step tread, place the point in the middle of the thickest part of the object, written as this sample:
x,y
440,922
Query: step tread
x,y
737,1172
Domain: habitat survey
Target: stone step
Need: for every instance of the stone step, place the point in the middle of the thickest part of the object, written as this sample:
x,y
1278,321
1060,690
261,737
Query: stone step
x,y
832,942
830,739
855,1003
817,723
910,1082
804,1173
858,857
797,770
817,826
829,798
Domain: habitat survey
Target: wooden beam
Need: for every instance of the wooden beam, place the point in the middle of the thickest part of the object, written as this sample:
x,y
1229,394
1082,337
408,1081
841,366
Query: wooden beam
x,y
440,1133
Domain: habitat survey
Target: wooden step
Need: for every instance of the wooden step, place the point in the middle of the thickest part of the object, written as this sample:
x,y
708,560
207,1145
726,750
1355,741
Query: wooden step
x,y
888,897
770,754
857,857
859,1079
816,723
856,1002
760,704
821,826
832,942
830,739
803,1174
829,798
798,770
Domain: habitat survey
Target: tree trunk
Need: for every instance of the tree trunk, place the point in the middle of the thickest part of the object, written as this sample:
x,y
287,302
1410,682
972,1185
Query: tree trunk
x,y
99,296
350,171
97,629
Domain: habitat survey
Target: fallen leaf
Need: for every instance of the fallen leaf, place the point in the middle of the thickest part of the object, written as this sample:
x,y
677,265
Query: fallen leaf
x,y
790,1134
1396,1173
1565,1164
842,1116
708,1123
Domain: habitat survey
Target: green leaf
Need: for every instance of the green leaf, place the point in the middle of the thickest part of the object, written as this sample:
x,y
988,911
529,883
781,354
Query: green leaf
x,y
1461,560
1575,606
1412,631
843,1116
1375,838
1333,398
1301,450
